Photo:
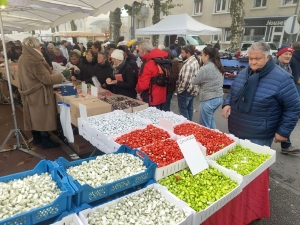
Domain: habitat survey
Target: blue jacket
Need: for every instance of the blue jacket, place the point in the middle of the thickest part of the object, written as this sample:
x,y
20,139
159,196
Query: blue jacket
x,y
295,65
275,108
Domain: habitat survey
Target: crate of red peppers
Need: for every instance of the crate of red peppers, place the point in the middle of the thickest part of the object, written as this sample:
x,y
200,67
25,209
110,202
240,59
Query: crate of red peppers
x,y
168,157
212,140
140,137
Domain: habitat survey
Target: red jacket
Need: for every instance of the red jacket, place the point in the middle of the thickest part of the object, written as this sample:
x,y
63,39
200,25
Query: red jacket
x,y
157,95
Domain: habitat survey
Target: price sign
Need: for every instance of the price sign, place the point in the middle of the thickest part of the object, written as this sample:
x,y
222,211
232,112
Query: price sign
x,y
84,88
94,91
192,154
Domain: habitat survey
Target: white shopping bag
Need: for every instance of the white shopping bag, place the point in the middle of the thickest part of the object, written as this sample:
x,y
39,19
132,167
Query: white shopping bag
x,y
65,120
57,68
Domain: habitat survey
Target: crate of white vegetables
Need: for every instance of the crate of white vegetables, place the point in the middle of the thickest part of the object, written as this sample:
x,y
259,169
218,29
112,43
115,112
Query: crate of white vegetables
x,y
34,196
151,205
98,177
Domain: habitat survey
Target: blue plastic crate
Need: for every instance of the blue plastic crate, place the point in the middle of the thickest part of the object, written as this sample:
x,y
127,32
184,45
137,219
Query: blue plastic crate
x,y
87,194
61,204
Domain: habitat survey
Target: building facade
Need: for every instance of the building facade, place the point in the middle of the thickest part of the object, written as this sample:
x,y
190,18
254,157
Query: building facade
x,y
263,20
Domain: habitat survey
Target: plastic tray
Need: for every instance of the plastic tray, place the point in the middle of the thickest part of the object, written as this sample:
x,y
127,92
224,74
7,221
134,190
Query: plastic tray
x,y
69,219
61,204
83,215
199,217
86,194
254,148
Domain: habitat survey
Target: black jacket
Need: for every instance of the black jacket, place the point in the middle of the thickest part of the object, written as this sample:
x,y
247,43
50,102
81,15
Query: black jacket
x,y
127,86
131,61
87,69
295,66
102,72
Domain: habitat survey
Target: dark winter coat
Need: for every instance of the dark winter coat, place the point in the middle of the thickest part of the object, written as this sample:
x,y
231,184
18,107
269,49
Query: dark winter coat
x,y
153,94
275,107
102,72
131,61
175,74
87,69
127,86
295,66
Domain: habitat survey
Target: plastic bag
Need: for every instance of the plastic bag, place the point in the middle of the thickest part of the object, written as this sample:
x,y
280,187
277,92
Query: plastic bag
x,y
57,68
65,120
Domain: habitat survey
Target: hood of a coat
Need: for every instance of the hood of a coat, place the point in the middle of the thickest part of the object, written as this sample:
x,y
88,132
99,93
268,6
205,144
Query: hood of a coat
x,y
155,53
32,54
296,54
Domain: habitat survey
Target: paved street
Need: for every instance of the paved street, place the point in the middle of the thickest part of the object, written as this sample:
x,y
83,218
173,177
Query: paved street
x,y
284,176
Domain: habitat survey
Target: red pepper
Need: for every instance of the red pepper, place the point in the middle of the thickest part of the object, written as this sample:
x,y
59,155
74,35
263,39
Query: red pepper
x,y
142,137
213,141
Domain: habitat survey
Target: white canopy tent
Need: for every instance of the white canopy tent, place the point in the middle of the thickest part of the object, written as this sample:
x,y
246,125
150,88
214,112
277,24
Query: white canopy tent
x,y
179,24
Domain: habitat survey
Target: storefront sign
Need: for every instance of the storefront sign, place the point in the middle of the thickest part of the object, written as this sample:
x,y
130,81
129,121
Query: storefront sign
x,y
275,23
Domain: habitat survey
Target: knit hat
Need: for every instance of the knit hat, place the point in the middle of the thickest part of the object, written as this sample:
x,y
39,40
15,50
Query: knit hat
x,y
117,54
283,49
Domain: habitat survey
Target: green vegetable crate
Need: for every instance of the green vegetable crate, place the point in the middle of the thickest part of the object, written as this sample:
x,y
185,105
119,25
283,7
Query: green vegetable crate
x,y
253,148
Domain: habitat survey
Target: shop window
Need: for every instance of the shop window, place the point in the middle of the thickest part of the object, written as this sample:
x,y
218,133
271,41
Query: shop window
x,y
254,33
227,34
222,6
289,2
198,7
259,3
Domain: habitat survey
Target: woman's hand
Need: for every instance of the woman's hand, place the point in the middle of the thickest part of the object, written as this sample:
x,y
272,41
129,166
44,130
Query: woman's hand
x,y
73,78
108,80
226,111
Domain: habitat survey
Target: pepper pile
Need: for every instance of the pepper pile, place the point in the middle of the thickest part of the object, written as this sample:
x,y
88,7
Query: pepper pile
x,y
242,160
142,137
201,190
213,141
164,152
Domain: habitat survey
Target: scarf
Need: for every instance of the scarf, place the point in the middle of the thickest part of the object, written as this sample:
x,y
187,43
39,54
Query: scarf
x,y
118,67
245,95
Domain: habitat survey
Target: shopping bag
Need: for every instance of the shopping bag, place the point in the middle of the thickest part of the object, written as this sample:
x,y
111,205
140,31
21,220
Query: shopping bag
x,y
65,120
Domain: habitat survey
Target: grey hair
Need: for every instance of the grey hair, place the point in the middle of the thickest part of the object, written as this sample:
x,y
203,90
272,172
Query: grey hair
x,y
145,45
50,45
260,46
31,42
161,47
56,49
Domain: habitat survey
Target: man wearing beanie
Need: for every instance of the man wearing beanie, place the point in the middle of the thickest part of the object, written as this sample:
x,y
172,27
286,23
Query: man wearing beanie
x,y
122,81
283,59
295,64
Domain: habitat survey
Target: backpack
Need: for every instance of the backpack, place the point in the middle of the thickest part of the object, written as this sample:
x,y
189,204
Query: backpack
x,y
164,77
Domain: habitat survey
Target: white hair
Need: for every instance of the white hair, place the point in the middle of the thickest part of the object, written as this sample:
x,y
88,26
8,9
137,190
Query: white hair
x,y
260,46
31,42
145,45
161,47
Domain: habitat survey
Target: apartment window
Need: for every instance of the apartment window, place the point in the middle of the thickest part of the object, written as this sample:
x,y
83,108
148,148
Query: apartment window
x,y
198,6
222,5
215,38
259,3
289,2
227,34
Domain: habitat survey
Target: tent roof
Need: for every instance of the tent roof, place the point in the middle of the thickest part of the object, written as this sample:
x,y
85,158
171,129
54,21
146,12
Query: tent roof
x,y
179,24
78,34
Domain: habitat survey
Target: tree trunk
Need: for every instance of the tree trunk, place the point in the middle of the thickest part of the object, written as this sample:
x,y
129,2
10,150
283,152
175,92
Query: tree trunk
x,y
156,19
237,21
115,25
73,28
53,31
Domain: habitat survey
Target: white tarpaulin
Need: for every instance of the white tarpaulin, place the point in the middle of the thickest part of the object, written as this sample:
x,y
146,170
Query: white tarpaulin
x,y
179,24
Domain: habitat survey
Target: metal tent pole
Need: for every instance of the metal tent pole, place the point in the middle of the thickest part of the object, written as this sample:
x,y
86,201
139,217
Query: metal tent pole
x,y
16,131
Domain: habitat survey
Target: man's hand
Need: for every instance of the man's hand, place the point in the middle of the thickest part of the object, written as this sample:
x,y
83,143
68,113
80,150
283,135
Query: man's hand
x,y
279,138
226,111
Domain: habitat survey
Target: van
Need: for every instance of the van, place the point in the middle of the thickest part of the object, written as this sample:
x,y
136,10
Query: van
x,y
183,40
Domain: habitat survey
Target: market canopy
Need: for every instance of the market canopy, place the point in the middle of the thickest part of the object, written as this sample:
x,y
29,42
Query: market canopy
x,y
29,15
78,34
179,24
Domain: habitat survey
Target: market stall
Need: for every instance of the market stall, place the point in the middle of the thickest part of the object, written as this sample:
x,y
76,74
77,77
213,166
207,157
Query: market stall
x,y
147,176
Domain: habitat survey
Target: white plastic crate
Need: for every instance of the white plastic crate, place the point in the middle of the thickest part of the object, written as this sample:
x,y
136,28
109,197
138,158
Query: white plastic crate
x,y
199,217
168,170
254,148
83,215
69,219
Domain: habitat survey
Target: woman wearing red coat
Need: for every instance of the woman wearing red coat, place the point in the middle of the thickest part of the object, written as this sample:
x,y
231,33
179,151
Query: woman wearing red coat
x,y
153,94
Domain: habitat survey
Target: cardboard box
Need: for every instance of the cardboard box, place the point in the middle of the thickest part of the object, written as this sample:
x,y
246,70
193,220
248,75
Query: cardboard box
x,y
93,107
81,146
